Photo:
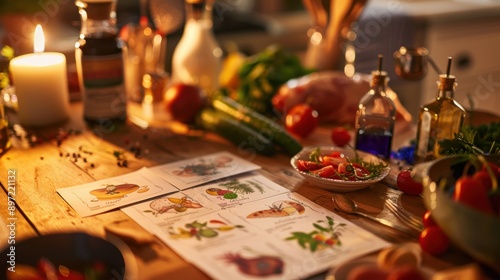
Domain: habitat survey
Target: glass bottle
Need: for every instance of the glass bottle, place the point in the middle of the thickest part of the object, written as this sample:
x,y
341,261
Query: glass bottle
x,y
99,64
375,117
439,119
197,58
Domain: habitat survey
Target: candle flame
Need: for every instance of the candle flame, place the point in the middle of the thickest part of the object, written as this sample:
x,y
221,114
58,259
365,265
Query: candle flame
x,y
39,43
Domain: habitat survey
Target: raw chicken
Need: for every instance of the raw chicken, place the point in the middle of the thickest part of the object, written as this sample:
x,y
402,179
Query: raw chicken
x,y
332,94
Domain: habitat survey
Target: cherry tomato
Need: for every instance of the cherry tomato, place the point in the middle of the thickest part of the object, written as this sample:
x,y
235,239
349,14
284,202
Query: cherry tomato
x,y
306,165
301,120
340,136
472,193
326,172
427,219
433,240
184,101
407,184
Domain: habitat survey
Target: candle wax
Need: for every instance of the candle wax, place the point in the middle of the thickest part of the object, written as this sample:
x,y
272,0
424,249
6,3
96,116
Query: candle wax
x,y
41,86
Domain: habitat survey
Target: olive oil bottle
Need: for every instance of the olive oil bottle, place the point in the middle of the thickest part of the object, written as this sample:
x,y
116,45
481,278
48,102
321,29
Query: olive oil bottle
x,y
440,119
99,64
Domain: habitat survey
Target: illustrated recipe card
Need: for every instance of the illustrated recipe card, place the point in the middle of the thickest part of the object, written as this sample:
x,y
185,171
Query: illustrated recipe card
x,y
248,227
108,194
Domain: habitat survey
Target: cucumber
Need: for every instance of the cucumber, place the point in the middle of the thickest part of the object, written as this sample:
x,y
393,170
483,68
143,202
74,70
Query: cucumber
x,y
244,137
267,127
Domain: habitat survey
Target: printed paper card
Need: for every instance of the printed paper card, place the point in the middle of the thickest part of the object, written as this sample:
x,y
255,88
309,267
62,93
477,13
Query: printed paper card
x,y
259,257
270,230
193,172
163,211
238,190
104,195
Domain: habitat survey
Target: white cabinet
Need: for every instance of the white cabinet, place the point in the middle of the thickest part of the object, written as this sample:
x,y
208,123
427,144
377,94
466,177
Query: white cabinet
x,y
466,30
474,45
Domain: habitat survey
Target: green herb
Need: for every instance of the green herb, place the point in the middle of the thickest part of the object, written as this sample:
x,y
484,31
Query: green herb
x,y
8,53
478,140
262,75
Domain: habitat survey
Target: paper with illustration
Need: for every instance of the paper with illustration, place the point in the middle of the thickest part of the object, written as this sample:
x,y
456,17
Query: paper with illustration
x,y
262,230
192,172
108,194
104,195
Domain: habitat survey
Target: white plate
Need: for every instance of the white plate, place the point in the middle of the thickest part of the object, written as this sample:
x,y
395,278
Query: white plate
x,y
335,184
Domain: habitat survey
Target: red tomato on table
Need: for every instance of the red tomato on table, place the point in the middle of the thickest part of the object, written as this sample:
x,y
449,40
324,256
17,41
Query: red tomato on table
x,y
433,240
340,136
407,184
301,120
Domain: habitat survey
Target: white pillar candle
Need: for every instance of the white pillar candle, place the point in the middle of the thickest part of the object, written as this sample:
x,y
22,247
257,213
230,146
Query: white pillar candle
x,y
41,84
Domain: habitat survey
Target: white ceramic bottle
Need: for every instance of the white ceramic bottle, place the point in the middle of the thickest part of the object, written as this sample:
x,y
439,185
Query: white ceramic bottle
x,y
197,57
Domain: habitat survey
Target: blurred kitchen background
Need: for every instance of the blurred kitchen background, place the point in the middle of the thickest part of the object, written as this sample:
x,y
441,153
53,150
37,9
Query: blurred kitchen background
x,y
466,30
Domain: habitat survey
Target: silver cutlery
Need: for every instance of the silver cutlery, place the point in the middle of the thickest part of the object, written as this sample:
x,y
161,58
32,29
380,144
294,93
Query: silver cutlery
x,y
348,206
409,219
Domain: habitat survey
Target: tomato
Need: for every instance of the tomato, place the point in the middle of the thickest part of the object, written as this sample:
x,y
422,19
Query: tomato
x,y
472,193
329,160
483,177
360,170
183,102
326,172
340,136
306,165
433,240
301,120
427,219
407,184
495,168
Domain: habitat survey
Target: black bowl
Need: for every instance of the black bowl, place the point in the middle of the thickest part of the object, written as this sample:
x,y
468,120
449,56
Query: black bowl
x,y
75,251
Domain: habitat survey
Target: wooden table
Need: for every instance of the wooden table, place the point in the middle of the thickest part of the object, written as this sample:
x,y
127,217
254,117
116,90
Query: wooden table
x,y
85,156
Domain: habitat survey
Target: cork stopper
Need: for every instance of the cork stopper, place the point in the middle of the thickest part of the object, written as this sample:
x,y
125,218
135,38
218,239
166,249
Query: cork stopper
x,y
379,77
97,9
447,81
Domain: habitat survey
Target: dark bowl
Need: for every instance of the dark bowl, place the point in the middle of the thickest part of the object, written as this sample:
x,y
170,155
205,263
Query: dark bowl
x,y
474,232
75,251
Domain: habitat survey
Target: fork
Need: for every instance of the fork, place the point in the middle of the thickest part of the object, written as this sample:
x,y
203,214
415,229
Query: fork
x,y
409,219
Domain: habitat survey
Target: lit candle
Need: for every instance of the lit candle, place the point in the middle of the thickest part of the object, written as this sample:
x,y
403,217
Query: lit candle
x,y
41,85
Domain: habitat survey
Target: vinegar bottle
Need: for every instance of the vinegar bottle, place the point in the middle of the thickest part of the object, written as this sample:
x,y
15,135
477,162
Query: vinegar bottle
x,y
99,64
375,117
440,119
197,58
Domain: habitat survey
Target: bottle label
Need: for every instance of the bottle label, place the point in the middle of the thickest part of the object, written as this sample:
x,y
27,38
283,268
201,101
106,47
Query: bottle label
x,y
424,140
104,94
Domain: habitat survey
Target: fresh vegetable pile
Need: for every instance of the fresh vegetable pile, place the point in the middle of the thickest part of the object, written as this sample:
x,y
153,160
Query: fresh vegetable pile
x,y
249,130
476,187
337,165
262,74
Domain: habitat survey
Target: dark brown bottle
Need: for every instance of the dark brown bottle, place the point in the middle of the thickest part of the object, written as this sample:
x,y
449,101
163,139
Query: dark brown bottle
x,y
100,66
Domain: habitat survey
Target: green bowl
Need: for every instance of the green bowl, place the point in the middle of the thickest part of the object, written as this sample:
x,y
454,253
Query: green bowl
x,y
472,231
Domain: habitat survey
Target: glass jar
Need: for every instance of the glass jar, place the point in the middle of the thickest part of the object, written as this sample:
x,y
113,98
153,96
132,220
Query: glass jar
x,y
375,118
99,64
440,119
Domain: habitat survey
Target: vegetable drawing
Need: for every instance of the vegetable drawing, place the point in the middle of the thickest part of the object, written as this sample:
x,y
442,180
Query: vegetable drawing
x,y
321,237
258,266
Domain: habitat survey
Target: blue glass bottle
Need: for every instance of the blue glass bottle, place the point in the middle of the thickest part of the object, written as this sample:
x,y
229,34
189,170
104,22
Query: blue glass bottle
x,y
375,117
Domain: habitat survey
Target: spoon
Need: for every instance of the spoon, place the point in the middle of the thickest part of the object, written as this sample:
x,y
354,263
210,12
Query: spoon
x,y
348,206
